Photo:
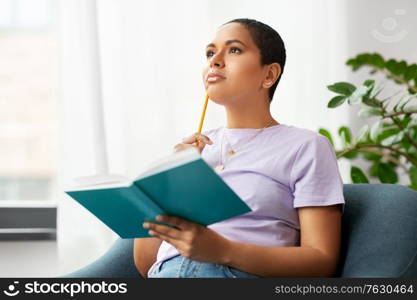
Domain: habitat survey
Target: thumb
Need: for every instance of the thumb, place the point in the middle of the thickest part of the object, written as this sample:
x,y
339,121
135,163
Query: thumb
x,y
200,145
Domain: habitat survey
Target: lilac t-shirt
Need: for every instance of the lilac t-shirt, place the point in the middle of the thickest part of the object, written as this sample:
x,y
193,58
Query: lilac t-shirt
x,y
282,168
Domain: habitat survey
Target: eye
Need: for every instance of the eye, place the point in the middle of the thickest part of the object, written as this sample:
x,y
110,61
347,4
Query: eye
x,y
234,48
208,53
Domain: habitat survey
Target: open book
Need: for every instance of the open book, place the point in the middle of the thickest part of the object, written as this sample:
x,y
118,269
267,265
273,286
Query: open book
x,y
181,184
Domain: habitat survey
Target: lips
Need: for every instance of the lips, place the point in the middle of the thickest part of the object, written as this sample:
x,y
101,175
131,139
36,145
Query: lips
x,y
214,77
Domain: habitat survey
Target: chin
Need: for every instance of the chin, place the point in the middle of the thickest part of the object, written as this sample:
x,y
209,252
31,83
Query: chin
x,y
219,100
219,97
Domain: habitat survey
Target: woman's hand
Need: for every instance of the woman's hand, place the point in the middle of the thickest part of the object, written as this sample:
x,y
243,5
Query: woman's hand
x,y
189,142
192,240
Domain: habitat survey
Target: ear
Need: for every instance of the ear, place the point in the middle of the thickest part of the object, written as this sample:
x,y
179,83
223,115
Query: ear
x,y
272,75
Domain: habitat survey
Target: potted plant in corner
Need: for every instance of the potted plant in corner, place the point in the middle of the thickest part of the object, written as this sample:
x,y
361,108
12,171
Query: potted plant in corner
x,y
390,142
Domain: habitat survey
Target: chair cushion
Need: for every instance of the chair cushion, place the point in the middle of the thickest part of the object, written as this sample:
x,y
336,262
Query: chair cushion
x,y
379,233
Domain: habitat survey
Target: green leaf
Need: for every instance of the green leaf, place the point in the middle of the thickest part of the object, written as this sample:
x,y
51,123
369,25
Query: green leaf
x,y
376,90
412,123
354,63
386,173
413,153
389,124
362,135
343,138
369,83
387,132
343,130
367,111
413,175
411,108
409,131
413,134
336,101
373,170
375,131
402,102
411,72
327,134
351,154
371,102
396,68
402,67
394,139
357,95
371,156
357,175
405,144
364,58
391,66
351,61
377,60
343,88
407,119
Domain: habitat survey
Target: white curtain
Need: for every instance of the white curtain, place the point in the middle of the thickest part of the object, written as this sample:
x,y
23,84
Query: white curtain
x,y
131,89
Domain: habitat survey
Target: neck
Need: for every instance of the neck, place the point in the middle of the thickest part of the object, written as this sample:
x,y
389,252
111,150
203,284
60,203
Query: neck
x,y
254,115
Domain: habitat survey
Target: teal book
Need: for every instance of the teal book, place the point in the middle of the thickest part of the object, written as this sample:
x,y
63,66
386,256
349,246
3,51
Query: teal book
x,y
181,184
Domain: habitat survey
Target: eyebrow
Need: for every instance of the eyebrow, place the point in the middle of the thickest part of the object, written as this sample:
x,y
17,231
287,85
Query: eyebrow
x,y
228,42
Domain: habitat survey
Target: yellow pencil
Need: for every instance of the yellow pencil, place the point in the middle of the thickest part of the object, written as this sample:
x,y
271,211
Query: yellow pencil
x,y
202,115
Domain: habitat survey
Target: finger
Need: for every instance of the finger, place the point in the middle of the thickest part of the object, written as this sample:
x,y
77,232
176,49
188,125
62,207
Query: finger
x,y
180,147
201,143
205,139
200,146
191,139
197,137
161,236
178,222
163,229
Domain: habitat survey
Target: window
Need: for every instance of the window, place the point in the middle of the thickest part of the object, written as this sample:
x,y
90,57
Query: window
x,y
28,118
27,99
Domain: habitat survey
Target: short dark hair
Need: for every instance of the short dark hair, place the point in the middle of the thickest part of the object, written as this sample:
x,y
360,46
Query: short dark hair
x,y
270,45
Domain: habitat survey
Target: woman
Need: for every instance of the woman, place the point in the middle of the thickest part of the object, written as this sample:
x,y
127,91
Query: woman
x,y
287,175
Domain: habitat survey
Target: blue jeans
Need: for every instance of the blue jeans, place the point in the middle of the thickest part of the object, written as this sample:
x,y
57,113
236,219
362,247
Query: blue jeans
x,y
182,267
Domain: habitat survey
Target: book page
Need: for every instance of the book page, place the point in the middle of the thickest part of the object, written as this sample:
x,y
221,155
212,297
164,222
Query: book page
x,y
97,182
170,161
109,181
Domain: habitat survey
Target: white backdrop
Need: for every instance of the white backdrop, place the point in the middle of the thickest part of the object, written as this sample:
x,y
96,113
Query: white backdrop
x,y
150,94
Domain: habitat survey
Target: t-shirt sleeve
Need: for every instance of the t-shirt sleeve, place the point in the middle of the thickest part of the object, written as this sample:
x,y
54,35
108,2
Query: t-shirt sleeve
x,y
315,178
208,132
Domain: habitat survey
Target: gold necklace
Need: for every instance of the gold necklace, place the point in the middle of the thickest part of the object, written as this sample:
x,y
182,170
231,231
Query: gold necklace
x,y
221,166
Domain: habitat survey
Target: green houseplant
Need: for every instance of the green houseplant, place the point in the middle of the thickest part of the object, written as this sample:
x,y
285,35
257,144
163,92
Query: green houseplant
x,y
390,142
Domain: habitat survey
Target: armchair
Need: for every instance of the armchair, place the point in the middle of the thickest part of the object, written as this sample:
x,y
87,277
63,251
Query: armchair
x,y
379,237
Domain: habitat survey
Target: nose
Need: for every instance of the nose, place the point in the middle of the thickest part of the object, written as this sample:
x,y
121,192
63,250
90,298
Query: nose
x,y
217,60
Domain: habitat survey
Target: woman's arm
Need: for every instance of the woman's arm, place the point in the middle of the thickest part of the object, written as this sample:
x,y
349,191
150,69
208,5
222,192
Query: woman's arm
x,y
317,255
144,253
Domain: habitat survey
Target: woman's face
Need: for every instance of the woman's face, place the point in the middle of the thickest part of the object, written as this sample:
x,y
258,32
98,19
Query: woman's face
x,y
233,54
